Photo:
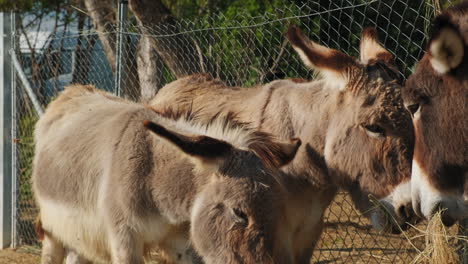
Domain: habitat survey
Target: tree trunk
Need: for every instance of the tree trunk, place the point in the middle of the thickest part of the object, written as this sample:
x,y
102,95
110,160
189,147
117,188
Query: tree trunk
x,y
83,51
150,69
104,20
179,52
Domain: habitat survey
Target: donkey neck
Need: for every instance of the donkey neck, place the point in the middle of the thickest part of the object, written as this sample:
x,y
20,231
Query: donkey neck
x,y
174,183
303,110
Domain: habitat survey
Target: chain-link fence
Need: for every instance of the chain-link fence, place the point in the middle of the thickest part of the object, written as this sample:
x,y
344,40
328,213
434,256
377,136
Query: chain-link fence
x,y
243,50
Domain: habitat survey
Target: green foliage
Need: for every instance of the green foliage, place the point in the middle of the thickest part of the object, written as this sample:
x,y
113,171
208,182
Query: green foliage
x,y
29,5
402,27
26,154
189,9
242,47
13,5
245,37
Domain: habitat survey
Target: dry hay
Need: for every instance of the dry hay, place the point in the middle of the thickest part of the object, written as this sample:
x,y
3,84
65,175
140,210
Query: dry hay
x,y
440,247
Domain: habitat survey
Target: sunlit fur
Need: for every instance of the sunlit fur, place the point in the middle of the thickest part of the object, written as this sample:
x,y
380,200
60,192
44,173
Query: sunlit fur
x,y
337,150
109,188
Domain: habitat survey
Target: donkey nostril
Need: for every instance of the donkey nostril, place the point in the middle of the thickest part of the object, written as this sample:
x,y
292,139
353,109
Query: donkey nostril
x,y
403,213
409,212
446,218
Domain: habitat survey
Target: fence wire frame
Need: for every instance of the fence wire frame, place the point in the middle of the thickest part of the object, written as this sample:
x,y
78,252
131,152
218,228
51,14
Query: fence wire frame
x,y
14,166
244,51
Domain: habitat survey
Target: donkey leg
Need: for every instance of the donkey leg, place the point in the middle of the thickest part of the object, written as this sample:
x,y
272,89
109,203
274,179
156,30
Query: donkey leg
x,y
125,247
306,253
180,251
53,251
74,258
176,247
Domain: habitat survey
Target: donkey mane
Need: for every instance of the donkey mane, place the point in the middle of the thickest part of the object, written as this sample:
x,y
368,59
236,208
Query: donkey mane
x,y
227,127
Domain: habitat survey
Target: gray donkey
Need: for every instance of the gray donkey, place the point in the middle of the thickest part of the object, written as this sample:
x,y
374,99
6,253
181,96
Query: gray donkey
x,y
357,134
113,178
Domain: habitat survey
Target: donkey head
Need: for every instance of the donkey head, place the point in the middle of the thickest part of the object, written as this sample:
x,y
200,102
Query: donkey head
x,y
369,138
238,213
437,96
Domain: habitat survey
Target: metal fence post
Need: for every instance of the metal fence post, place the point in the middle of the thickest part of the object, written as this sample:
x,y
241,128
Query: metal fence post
x,y
120,74
6,122
14,148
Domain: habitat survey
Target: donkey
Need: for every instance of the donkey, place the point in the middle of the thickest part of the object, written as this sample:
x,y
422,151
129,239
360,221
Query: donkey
x,y
437,96
113,178
356,131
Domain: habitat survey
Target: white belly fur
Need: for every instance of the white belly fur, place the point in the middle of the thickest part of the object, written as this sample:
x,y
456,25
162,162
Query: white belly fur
x,y
86,231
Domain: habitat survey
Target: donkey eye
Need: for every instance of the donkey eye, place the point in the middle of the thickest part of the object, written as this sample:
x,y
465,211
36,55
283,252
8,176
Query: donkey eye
x,y
414,108
375,130
239,216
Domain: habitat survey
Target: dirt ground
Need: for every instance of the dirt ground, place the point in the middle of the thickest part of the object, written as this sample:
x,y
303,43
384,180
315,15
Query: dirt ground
x,y
347,238
23,255
31,255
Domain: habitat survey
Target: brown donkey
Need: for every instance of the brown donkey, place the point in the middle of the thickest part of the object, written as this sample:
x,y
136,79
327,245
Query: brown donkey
x,y
356,132
437,96
108,188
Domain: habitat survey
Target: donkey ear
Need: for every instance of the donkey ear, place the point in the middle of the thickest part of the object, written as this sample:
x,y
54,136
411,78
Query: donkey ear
x,y
204,150
446,47
288,151
277,154
332,64
371,49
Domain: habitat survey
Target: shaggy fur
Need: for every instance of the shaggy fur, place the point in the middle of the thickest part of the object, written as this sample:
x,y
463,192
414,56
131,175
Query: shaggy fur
x,y
337,126
437,94
109,189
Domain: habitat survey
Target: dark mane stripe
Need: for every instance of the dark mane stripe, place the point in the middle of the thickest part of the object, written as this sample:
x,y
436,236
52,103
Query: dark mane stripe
x,y
263,144
177,113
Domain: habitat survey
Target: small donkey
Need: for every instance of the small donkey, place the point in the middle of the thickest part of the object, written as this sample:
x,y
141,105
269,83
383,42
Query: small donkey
x,y
437,96
108,188
357,134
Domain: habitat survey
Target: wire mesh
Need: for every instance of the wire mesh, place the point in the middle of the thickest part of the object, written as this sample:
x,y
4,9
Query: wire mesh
x,y
243,50
26,117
